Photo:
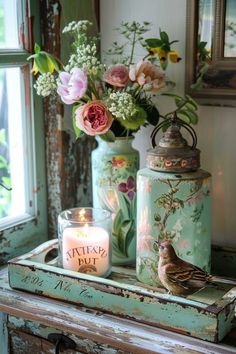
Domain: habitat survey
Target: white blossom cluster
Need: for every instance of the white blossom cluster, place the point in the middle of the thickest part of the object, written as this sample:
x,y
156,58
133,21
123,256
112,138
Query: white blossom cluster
x,y
45,84
85,58
80,26
121,105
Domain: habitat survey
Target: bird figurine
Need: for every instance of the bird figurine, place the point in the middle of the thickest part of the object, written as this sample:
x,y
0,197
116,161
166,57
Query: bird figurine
x,y
176,275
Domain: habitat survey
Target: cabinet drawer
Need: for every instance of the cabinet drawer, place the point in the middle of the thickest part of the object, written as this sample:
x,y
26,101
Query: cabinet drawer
x,y
28,337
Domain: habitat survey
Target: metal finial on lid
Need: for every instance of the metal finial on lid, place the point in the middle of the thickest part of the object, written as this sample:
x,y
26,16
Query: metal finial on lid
x,y
173,154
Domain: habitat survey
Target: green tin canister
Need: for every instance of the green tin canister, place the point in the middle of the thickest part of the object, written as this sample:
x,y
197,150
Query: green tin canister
x,y
173,202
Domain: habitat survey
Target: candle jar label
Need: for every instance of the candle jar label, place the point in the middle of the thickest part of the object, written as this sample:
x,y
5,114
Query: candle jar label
x,y
86,251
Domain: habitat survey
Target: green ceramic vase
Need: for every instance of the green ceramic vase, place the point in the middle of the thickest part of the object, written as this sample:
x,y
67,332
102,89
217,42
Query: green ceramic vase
x,y
114,168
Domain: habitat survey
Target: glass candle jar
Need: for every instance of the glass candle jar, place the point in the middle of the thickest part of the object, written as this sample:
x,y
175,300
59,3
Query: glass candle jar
x,y
84,236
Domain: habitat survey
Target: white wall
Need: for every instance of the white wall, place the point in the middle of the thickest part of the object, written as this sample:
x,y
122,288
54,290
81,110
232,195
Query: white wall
x,y
217,126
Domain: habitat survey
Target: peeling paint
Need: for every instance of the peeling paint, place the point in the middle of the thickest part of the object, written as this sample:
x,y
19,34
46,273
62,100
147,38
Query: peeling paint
x,y
178,314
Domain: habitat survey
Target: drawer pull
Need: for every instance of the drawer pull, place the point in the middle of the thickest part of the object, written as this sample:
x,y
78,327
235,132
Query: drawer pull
x,y
61,342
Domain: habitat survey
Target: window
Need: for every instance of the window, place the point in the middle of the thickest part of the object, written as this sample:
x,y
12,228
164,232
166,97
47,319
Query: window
x,y
22,177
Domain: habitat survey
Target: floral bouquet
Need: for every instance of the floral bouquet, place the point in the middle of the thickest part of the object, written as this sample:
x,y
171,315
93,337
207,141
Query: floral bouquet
x,y
116,100
113,101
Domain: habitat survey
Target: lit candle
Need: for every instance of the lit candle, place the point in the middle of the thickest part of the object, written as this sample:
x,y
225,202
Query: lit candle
x,y
86,248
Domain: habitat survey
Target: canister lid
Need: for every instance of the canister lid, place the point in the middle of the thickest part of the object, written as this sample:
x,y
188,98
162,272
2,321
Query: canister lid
x,y
173,154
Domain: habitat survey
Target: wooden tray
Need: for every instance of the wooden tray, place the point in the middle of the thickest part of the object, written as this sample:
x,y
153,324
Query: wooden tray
x,y
207,314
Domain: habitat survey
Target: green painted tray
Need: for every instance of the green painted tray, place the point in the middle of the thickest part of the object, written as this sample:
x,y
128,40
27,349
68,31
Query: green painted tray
x,y
207,314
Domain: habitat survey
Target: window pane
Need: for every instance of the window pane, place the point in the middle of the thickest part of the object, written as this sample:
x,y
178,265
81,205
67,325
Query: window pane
x,y
8,25
14,152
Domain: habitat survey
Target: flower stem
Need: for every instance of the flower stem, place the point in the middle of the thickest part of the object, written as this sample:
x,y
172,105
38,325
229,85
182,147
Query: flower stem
x,y
132,48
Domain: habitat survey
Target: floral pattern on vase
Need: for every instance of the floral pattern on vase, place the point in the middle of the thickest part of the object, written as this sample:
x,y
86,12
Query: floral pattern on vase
x,y
177,208
114,169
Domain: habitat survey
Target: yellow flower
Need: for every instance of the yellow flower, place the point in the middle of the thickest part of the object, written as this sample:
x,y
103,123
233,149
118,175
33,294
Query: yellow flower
x,y
35,69
43,62
174,56
163,54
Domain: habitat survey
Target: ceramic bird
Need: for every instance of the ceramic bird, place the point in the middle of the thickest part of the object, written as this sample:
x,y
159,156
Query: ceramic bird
x,y
176,275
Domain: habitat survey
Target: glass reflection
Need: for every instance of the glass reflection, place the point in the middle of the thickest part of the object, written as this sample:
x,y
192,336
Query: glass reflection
x,y
230,29
206,24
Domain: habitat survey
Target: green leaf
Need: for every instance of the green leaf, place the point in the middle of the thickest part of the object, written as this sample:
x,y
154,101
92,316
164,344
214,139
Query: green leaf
x,y
117,222
42,63
190,107
204,69
197,85
37,48
152,112
173,42
123,225
178,101
165,47
135,121
192,101
108,136
164,37
78,131
53,62
201,46
153,115
184,116
193,117
124,206
153,42
123,236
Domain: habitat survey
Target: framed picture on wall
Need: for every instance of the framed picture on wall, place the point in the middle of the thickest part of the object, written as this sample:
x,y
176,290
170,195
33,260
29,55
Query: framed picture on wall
x,y
211,51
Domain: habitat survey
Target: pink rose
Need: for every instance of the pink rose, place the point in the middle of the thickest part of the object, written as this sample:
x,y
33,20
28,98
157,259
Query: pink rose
x,y
147,73
73,85
117,75
93,118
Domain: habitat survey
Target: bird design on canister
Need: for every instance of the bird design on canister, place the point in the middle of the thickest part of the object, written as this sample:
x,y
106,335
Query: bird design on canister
x,y
176,275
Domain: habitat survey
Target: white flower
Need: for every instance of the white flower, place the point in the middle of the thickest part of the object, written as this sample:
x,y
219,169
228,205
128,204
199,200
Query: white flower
x,y
80,26
45,84
121,105
85,58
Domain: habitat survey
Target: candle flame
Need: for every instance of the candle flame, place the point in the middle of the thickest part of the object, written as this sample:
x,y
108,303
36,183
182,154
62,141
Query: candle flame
x,y
85,230
82,213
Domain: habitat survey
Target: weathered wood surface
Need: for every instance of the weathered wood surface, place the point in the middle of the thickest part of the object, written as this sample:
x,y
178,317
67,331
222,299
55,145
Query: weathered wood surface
x,y
117,333
21,328
207,314
23,343
3,334
68,161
